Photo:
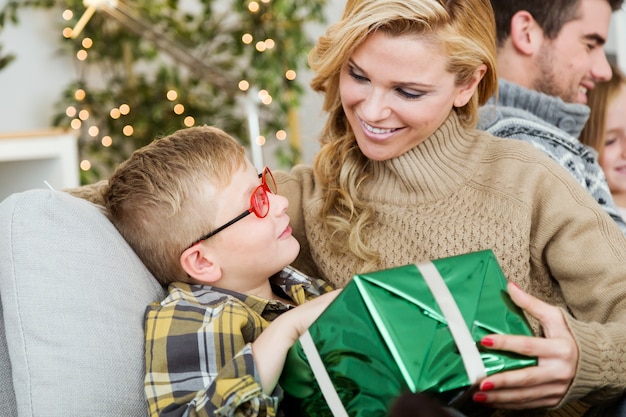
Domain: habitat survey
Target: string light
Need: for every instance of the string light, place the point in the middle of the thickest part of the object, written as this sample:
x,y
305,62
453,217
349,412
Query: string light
x,y
260,46
87,43
70,111
106,141
281,135
243,85
67,14
76,124
260,140
128,130
253,6
80,94
85,165
247,38
290,75
124,109
172,95
189,121
179,109
115,113
93,131
83,115
81,55
269,43
67,33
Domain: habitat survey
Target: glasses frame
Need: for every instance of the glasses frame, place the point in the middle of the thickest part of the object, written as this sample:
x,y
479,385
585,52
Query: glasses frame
x,y
265,188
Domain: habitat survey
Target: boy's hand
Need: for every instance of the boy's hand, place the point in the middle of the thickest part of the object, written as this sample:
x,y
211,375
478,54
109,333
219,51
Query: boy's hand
x,y
543,385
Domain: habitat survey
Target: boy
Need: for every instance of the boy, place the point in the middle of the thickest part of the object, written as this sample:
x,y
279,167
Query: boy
x,y
217,344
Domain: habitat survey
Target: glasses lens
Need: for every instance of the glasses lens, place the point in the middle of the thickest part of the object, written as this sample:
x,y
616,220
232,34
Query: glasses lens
x,y
268,180
260,202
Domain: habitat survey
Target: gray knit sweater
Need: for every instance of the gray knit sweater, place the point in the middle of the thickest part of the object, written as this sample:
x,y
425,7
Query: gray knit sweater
x,y
553,127
465,190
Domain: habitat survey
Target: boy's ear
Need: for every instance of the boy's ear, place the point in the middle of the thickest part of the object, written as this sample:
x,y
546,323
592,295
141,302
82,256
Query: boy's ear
x,y
199,265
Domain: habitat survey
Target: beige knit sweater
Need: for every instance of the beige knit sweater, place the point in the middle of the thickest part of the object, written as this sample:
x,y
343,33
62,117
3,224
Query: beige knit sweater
x,y
465,190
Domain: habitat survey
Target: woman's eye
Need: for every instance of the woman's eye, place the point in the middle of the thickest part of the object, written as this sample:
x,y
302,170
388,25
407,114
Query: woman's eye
x,y
409,95
356,76
610,141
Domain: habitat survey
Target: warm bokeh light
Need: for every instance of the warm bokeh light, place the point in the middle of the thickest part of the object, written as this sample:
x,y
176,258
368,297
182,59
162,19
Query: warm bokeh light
x,y
67,32
67,14
281,135
93,131
128,130
253,6
247,38
189,121
76,124
260,46
81,55
70,111
243,85
80,94
179,109
269,43
115,113
124,109
83,115
85,165
290,75
87,43
106,141
260,140
172,95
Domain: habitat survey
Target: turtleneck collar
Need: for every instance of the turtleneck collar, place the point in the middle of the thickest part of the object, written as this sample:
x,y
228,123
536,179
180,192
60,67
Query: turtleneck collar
x,y
570,117
432,170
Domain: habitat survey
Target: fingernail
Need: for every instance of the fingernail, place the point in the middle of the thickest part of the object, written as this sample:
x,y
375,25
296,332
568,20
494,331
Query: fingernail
x,y
480,398
487,342
487,386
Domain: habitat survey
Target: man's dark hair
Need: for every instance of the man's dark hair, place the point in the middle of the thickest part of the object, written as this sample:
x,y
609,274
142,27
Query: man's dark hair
x,y
551,15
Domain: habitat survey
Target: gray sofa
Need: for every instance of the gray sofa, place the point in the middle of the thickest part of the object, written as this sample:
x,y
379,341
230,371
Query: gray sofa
x,y
72,296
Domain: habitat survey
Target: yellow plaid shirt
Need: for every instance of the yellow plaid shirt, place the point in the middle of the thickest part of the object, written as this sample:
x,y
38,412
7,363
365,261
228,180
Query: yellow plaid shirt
x,y
198,356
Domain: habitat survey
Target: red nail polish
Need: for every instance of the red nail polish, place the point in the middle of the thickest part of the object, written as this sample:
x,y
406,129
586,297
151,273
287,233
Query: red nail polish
x,y
487,386
480,398
487,342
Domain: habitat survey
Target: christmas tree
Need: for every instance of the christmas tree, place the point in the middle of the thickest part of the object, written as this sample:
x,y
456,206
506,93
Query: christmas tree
x,y
146,69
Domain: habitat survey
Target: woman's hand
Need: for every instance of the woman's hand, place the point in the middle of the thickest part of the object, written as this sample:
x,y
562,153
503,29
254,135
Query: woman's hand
x,y
543,385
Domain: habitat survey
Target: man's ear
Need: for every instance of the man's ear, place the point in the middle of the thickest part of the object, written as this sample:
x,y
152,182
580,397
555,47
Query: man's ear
x,y
467,90
526,34
199,265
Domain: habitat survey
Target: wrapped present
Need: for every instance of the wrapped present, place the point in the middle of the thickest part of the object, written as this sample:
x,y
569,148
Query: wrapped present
x,y
409,329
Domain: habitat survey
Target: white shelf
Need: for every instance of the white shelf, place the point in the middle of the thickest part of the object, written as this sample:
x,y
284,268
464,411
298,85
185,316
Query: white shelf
x,y
30,158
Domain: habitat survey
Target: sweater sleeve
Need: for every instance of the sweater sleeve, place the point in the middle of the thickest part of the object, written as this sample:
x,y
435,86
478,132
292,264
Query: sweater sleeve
x,y
576,244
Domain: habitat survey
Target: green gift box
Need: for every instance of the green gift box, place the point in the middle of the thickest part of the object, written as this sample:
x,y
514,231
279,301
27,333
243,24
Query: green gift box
x,y
414,328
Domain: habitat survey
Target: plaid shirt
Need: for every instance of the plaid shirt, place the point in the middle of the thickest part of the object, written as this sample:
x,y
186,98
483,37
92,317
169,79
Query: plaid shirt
x,y
198,347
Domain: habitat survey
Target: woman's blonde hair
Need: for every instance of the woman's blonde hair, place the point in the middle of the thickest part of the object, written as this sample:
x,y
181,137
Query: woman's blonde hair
x,y
465,31
157,198
594,132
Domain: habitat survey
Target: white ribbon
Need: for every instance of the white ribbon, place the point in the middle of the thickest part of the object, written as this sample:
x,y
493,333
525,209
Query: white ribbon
x,y
322,377
472,361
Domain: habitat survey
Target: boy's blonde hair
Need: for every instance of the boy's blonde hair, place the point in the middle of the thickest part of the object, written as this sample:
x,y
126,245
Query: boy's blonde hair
x,y
157,198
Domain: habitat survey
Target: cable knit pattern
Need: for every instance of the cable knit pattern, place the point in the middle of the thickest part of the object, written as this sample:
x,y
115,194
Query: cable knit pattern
x,y
463,191
553,127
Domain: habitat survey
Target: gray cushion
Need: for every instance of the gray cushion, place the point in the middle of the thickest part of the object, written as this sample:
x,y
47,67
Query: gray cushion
x,y
73,296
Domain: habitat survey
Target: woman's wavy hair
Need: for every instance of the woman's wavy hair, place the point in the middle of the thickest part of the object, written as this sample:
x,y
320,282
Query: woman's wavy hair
x,y
463,29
